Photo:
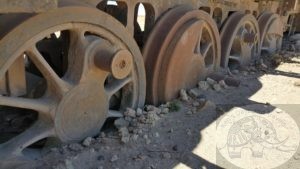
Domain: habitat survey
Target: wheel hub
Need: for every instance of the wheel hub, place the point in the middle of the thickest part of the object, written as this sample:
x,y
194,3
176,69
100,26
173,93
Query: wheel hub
x,y
81,112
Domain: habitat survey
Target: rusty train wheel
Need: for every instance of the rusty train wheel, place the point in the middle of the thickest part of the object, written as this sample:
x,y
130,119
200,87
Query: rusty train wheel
x,y
104,64
271,32
240,39
182,49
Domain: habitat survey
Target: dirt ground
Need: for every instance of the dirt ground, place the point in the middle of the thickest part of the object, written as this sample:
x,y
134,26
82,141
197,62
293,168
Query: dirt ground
x,y
188,138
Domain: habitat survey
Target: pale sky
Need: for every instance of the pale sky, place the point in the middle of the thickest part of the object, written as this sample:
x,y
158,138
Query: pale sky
x,y
142,11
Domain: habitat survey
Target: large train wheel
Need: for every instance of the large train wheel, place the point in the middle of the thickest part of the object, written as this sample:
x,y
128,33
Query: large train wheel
x,y
240,39
104,75
271,32
183,48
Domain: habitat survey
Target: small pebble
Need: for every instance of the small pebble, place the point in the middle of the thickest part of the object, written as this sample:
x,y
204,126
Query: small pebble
x,y
75,147
217,87
130,113
223,84
134,137
189,113
114,158
194,92
211,81
148,141
189,132
165,110
166,155
87,142
203,85
183,95
139,112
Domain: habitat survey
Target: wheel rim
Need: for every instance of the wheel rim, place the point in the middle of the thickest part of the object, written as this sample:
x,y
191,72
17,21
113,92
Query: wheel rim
x,y
83,95
271,32
240,40
187,51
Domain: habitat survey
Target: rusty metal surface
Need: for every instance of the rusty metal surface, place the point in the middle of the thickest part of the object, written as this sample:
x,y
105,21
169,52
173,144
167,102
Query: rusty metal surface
x,y
271,32
27,6
182,48
84,96
237,50
181,45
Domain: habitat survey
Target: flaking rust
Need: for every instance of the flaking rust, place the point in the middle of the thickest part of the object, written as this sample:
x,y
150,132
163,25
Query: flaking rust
x,y
27,6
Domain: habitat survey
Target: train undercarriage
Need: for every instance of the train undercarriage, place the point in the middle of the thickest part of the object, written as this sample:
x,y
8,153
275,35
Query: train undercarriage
x,y
67,65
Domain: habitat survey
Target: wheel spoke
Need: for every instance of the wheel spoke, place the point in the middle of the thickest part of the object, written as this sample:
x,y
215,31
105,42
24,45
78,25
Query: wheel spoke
x,y
52,78
236,58
197,40
77,51
117,85
206,49
31,104
39,130
115,113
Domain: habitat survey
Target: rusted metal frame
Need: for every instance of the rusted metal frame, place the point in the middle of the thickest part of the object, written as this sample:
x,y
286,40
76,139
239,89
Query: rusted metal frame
x,y
26,6
160,7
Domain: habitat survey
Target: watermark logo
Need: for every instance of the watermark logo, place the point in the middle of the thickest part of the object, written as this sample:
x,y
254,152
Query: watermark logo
x,y
249,139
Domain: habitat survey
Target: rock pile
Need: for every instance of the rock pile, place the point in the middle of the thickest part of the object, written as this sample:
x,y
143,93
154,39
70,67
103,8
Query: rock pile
x,y
218,83
130,127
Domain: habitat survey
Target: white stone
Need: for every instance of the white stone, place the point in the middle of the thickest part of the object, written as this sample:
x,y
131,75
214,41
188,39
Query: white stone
x,y
139,112
223,84
183,95
130,113
217,87
87,142
167,155
114,158
203,85
165,110
194,92
211,81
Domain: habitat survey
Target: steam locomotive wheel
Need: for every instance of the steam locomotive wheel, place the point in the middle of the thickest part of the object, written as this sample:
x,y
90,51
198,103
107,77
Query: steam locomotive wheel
x,y
271,32
240,39
104,75
182,49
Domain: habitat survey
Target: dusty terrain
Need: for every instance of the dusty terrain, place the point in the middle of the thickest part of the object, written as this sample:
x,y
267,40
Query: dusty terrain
x,y
183,133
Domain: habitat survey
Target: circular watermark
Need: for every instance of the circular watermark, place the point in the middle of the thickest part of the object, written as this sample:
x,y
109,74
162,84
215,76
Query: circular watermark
x,y
254,138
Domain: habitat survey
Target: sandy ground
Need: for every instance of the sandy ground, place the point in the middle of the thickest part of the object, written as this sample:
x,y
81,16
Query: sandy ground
x,y
190,137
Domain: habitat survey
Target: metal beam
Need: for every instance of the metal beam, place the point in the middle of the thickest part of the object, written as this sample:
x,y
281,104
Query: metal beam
x,y
26,6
